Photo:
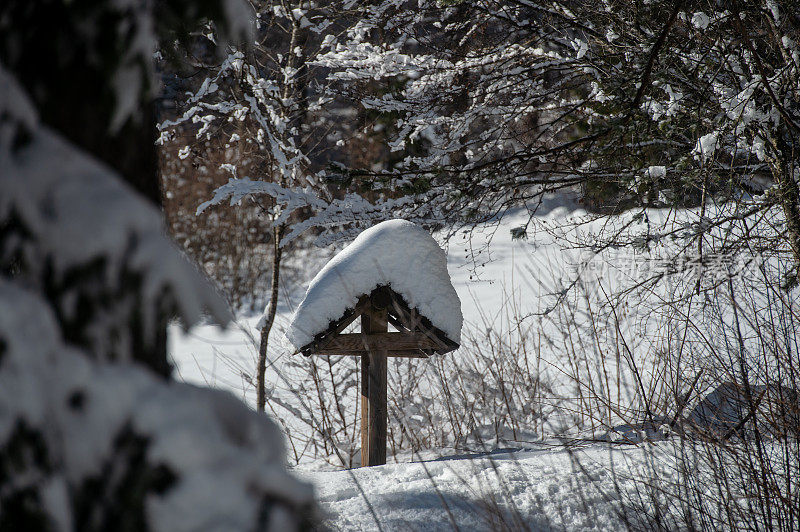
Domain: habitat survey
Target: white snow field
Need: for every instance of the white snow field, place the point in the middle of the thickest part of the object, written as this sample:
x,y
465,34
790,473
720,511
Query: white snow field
x,y
537,484
525,490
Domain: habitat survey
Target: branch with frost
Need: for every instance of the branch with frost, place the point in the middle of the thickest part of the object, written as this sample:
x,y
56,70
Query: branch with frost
x,y
290,199
461,100
338,218
261,103
137,23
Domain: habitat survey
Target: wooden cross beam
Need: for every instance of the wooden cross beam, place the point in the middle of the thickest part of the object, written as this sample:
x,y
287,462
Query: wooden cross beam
x,y
396,343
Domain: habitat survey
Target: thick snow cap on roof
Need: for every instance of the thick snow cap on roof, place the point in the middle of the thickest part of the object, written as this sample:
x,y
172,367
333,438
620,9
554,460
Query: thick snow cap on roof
x,y
397,253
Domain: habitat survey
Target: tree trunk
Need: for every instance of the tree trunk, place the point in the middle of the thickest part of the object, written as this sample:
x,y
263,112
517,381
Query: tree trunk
x,y
297,41
269,319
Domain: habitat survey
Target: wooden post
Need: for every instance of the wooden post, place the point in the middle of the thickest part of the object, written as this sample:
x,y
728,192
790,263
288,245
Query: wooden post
x,y
364,406
373,389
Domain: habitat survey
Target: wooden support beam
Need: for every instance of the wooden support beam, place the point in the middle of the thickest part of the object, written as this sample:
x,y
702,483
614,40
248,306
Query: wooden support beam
x,y
373,389
363,342
364,409
335,327
409,322
390,354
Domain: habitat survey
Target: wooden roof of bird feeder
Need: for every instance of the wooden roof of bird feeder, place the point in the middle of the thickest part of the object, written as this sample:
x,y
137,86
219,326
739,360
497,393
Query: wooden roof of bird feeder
x,y
416,336
394,273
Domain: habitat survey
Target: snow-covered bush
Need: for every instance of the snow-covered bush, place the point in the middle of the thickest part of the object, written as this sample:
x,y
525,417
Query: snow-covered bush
x,y
731,383
93,248
647,342
91,436
110,446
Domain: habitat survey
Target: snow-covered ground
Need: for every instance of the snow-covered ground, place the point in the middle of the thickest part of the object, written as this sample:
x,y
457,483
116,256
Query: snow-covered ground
x,y
536,489
537,485
579,487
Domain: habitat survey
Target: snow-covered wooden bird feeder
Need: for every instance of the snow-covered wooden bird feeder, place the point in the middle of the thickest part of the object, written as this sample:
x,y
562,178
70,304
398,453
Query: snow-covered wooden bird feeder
x,y
392,274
